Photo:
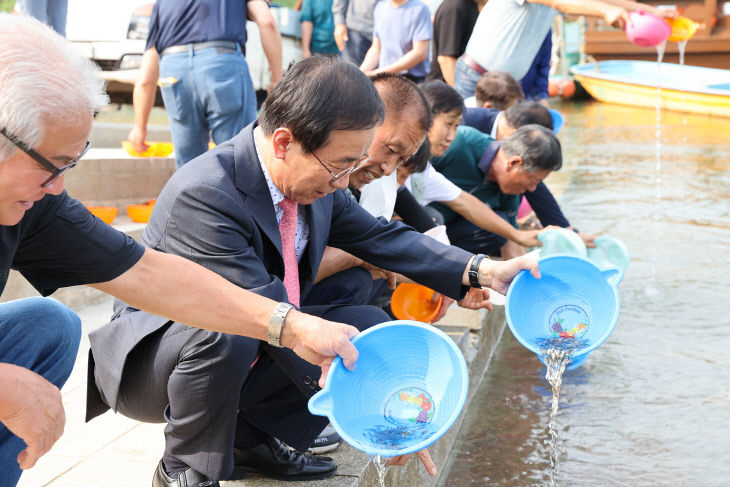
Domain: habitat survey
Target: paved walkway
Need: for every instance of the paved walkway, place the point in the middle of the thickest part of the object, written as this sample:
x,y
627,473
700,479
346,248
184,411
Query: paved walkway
x,y
111,450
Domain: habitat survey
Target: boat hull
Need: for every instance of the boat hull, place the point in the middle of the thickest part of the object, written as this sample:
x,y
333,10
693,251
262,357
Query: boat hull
x,y
683,88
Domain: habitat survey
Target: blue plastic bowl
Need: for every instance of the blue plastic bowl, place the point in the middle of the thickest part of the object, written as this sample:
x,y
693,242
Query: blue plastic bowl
x,y
609,252
558,120
573,295
408,388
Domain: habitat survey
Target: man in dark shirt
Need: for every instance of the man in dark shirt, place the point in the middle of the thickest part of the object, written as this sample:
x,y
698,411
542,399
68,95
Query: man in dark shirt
x,y
48,96
195,50
452,26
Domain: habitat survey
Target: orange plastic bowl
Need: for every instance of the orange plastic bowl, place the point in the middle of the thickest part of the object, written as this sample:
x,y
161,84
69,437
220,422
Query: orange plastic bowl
x,y
414,302
140,213
107,214
682,29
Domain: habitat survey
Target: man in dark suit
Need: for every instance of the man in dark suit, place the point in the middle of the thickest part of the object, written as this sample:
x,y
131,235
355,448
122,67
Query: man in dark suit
x,y
259,210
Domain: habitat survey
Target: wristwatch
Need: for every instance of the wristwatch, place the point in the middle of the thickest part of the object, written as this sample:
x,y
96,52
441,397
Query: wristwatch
x,y
474,270
276,323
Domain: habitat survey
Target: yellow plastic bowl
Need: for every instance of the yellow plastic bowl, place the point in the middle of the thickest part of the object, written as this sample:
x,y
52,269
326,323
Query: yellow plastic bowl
x,y
107,214
140,213
155,149
414,302
682,29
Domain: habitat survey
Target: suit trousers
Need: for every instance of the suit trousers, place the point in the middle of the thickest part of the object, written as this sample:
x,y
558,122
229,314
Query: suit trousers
x,y
216,390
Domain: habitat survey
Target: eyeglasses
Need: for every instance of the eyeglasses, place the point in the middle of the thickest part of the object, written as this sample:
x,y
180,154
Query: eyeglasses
x,y
56,172
336,177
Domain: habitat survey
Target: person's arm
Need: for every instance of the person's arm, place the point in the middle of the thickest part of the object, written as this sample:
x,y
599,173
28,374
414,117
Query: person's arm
x,y
31,408
546,208
183,291
612,14
412,58
449,31
630,5
447,65
335,260
411,212
143,98
539,89
339,11
372,57
259,12
548,211
481,215
307,28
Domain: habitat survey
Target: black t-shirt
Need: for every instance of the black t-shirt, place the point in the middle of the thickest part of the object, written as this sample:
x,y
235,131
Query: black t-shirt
x,y
58,243
452,26
178,22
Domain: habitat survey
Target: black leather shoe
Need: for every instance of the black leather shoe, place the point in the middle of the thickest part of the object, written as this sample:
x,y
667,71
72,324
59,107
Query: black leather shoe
x,y
187,478
274,459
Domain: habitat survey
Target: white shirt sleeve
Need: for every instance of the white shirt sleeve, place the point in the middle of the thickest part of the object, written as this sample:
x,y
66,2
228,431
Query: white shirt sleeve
x,y
378,197
437,188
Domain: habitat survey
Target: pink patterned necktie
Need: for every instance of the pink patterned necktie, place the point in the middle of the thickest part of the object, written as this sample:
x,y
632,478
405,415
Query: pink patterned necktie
x,y
288,231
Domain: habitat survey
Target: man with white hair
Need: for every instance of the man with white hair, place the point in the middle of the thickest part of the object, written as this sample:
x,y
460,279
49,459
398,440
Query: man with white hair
x,y
48,98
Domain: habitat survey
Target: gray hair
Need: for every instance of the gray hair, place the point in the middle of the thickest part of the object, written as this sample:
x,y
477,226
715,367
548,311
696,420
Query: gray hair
x,y
538,147
42,79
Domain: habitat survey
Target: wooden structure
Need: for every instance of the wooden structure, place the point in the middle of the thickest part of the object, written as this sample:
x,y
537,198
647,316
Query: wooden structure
x,y
710,46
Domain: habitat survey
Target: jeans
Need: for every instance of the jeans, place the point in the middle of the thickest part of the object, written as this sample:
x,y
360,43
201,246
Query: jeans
x,y
356,47
206,92
465,79
50,12
42,335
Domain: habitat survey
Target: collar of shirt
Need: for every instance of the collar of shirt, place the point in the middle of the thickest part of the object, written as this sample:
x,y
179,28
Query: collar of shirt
x,y
493,133
276,194
302,234
485,162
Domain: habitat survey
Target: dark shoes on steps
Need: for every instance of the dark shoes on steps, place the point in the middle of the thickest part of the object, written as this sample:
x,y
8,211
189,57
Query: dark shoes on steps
x,y
274,459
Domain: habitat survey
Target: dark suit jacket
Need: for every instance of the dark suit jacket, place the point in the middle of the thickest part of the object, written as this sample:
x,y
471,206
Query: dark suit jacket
x,y
217,211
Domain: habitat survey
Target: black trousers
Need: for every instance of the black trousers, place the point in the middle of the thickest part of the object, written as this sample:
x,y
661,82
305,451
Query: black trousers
x,y
207,388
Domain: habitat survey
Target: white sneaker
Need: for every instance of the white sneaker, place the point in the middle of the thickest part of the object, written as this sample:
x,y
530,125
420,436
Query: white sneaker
x,y
327,441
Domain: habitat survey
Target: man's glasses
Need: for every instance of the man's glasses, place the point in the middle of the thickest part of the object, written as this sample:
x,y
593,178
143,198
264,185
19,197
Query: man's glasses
x,y
56,172
336,177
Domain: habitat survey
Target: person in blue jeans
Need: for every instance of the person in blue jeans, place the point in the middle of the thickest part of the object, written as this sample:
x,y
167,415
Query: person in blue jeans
x,y
50,12
318,28
195,52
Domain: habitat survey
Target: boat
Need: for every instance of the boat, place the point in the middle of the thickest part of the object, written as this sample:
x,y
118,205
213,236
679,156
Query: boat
x,y
684,88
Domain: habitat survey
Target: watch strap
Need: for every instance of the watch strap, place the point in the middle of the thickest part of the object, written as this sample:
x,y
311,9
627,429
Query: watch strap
x,y
276,323
474,270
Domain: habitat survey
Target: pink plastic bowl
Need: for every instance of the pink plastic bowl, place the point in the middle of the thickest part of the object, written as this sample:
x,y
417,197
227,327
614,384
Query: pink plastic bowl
x,y
646,29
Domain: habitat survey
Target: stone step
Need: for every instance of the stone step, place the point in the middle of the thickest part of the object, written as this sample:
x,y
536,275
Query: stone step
x,y
111,177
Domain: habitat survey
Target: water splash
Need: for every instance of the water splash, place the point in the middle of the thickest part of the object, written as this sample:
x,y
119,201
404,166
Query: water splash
x,y
556,359
651,289
681,45
381,463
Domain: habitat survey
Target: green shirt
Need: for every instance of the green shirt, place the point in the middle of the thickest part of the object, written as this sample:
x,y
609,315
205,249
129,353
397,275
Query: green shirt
x,y
466,164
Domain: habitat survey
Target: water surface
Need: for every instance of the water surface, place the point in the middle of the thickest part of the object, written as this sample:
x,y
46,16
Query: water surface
x,y
651,406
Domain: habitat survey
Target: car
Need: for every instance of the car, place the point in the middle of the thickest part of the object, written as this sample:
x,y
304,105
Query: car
x,y
114,34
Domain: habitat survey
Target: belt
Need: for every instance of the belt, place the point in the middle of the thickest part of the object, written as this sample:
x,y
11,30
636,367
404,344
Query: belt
x,y
197,46
473,64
